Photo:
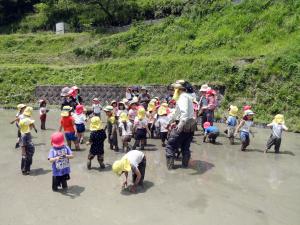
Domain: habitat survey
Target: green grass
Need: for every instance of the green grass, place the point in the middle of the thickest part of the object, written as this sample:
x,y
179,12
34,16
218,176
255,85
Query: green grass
x,y
198,46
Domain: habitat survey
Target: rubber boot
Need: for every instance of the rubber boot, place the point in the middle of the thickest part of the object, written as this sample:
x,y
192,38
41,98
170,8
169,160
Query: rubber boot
x,y
101,161
54,184
135,145
231,140
170,163
185,161
89,164
64,184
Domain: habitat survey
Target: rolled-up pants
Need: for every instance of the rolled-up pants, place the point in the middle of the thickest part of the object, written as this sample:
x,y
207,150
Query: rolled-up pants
x,y
180,140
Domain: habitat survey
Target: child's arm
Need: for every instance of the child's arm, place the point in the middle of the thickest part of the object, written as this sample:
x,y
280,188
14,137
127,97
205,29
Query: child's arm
x,y
15,120
284,127
33,127
270,125
52,160
239,127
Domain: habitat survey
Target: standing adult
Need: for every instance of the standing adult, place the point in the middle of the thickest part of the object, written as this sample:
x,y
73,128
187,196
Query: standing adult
x,y
128,94
76,95
66,101
182,135
144,97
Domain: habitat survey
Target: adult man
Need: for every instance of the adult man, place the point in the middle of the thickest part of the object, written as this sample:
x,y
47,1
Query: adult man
x,y
182,135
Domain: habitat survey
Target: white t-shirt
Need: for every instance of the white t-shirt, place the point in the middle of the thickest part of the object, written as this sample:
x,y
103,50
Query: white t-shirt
x,y
43,110
132,114
128,131
135,157
79,119
97,108
162,122
184,107
139,124
246,126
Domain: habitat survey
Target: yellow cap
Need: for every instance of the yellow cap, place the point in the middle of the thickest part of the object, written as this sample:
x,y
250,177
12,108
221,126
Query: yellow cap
x,y
120,166
141,113
123,117
279,118
65,111
151,106
21,106
233,110
28,111
96,124
162,111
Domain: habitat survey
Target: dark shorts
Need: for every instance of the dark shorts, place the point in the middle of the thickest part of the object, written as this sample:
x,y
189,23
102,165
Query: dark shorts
x,y
80,128
25,140
141,134
70,136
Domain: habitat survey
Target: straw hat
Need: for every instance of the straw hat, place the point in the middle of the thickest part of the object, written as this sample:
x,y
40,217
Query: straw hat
x,y
206,125
96,124
120,166
65,92
57,139
75,88
21,106
279,118
178,84
233,110
66,111
204,88
28,111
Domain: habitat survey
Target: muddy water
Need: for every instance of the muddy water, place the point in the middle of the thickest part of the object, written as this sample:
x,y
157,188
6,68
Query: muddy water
x,y
224,186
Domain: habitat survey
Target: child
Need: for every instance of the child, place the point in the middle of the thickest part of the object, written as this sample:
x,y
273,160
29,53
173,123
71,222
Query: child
x,y
140,129
97,138
163,123
231,123
112,128
67,123
19,116
132,113
275,138
151,116
43,113
97,107
80,119
134,161
26,124
244,127
210,132
114,104
121,109
126,131
59,156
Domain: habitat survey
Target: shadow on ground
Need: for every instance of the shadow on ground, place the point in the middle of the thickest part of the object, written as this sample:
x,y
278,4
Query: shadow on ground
x,y
39,171
140,189
73,191
200,167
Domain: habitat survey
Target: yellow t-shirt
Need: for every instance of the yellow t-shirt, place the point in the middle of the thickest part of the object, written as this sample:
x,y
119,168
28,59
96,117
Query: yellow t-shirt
x,y
24,125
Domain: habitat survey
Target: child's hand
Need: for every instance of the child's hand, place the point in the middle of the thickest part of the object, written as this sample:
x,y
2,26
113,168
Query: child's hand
x,y
124,185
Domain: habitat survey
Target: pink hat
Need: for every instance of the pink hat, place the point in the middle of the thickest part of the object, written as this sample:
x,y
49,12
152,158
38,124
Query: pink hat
x,y
57,139
206,125
247,107
79,109
211,92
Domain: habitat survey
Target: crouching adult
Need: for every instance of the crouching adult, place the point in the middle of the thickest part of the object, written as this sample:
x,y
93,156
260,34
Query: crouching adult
x,y
134,161
185,124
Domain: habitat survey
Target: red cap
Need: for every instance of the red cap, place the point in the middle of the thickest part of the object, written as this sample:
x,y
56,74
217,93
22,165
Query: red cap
x,y
79,109
211,92
247,107
206,125
57,139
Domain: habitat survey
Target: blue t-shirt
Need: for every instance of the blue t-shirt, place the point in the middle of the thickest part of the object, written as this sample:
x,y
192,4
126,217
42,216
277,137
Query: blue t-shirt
x,y
231,121
62,166
211,129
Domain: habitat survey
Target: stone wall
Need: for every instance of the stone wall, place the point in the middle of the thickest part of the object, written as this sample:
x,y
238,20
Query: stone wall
x,y
103,92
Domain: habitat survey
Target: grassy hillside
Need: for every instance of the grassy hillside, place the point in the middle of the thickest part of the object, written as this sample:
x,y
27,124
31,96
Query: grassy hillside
x,y
252,48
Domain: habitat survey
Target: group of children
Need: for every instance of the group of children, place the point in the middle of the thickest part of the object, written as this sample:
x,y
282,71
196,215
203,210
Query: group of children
x,y
127,119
